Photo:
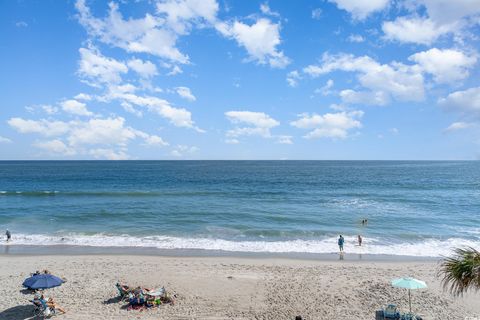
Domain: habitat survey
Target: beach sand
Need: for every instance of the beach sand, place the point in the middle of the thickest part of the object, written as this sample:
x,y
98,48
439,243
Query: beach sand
x,y
230,287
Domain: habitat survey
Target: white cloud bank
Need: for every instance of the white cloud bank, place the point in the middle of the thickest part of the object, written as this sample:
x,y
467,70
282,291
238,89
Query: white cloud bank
x,y
78,137
443,17
383,81
446,65
465,102
330,125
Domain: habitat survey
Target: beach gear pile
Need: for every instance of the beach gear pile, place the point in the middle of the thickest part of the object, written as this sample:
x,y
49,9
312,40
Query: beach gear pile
x,y
141,298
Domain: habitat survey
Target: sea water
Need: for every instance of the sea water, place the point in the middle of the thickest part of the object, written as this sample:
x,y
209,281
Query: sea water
x,y
416,208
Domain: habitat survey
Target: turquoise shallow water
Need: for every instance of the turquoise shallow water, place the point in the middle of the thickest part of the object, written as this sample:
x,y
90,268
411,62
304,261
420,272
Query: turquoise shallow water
x,y
413,208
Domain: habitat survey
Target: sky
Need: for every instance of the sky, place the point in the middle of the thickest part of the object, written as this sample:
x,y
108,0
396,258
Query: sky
x,y
225,79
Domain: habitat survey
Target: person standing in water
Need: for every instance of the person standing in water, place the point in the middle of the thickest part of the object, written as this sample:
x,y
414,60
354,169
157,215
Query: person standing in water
x,y
9,235
341,240
360,240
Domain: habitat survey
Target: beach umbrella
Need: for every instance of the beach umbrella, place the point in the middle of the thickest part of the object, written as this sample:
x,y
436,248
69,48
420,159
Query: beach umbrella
x,y
42,281
410,284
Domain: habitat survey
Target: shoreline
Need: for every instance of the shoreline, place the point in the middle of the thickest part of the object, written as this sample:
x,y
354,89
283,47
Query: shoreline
x,y
67,250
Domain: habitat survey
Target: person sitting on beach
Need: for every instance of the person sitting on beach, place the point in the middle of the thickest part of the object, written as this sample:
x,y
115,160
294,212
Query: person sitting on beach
x,y
341,240
53,305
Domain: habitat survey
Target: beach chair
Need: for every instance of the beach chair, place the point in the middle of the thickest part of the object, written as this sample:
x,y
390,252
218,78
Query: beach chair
x,y
41,309
391,312
122,293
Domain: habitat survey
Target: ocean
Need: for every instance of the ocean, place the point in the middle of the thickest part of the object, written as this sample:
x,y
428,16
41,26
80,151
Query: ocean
x,y
414,208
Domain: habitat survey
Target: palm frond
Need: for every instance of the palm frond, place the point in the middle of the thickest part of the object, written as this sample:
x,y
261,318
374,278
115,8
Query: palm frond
x,y
461,272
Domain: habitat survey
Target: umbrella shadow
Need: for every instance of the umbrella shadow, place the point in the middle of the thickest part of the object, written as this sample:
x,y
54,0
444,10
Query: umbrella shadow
x,y
27,291
22,312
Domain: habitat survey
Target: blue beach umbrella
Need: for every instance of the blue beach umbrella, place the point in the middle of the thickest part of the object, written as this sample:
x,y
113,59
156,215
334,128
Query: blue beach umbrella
x,y
42,281
410,284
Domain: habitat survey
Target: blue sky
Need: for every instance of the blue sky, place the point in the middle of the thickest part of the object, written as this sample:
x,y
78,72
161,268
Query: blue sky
x,y
207,79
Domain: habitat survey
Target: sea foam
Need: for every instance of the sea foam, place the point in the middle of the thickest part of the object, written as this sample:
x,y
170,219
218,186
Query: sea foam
x,y
375,246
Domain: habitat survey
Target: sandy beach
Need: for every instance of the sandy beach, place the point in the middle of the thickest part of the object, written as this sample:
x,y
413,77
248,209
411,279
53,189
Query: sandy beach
x,y
230,287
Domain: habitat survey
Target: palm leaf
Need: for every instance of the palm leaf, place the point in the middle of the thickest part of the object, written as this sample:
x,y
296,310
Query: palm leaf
x,y
461,272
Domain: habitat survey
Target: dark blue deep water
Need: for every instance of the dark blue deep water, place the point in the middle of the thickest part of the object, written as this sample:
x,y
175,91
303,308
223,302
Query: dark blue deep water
x,y
413,207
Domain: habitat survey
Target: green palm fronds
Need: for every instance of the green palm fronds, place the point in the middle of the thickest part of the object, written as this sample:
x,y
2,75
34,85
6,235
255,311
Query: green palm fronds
x,y
461,272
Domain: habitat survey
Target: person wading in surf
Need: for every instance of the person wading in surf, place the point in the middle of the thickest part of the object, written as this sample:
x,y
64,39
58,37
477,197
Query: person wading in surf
x,y
341,240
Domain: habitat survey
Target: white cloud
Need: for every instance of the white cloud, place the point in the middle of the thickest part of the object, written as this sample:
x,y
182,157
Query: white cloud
x,y
183,150
455,126
133,35
439,17
316,13
250,124
356,38
447,11
109,154
175,70
185,93
43,127
379,98
21,24
394,80
48,109
284,139
394,130
55,146
416,30
259,39
5,140
360,9
232,141
177,116
75,107
154,140
292,78
181,15
131,109
446,65
145,69
265,9
466,102
326,89
99,69
151,140
83,96
104,135
257,119
109,131
330,125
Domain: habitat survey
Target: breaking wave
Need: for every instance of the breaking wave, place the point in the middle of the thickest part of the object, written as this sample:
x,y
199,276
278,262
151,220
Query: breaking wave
x,y
375,246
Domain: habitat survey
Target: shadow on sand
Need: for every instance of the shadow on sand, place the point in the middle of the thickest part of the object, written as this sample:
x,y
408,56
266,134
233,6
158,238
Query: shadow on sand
x,y
22,312
112,300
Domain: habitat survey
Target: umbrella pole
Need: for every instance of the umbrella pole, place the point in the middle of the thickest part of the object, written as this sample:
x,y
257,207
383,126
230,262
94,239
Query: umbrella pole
x,y
410,300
